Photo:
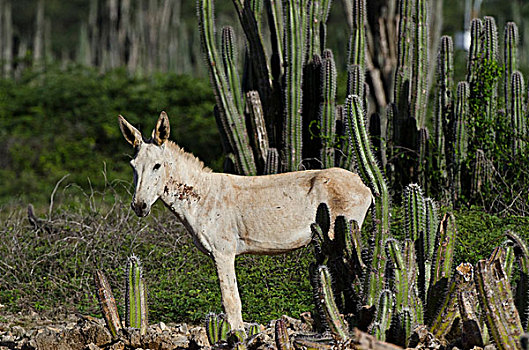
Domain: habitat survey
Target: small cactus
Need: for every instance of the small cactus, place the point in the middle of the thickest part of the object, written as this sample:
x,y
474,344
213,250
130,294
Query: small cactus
x,y
136,296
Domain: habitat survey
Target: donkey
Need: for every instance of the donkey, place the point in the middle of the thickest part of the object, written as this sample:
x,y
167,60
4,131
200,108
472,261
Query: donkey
x,y
228,215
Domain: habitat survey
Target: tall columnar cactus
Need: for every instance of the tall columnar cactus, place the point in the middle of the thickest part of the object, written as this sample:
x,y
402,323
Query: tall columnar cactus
x,y
518,114
444,111
136,296
461,120
405,56
510,43
327,113
474,53
357,50
372,175
294,46
232,121
419,87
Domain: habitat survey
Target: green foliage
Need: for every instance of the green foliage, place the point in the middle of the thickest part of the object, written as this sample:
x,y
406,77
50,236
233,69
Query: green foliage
x,y
64,122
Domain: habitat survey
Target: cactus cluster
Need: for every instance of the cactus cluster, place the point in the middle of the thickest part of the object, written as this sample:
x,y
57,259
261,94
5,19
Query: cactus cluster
x,y
471,305
135,299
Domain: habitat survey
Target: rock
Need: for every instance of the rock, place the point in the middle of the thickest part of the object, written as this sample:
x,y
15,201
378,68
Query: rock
x,y
198,337
421,338
92,346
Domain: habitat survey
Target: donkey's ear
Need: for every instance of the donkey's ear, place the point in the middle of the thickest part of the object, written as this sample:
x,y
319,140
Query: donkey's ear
x,y
162,130
131,134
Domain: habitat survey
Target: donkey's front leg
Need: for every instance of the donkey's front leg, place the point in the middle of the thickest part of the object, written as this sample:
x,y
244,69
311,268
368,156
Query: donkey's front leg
x,y
231,300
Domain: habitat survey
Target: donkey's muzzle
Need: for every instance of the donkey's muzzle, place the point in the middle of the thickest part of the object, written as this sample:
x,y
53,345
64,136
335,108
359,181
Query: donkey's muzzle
x,y
141,208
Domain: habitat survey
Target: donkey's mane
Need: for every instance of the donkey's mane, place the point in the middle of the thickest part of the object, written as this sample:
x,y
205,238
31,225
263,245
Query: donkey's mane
x,y
188,157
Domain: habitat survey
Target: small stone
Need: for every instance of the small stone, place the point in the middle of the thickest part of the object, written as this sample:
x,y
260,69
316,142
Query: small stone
x,y
162,326
92,346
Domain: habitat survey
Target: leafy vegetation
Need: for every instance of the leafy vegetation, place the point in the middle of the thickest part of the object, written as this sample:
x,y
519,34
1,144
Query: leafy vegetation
x,y
62,122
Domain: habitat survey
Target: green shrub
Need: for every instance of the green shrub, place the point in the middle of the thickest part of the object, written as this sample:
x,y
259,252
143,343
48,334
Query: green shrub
x,y
61,122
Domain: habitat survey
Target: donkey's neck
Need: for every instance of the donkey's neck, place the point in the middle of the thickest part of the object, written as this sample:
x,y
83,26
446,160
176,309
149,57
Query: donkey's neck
x,y
185,180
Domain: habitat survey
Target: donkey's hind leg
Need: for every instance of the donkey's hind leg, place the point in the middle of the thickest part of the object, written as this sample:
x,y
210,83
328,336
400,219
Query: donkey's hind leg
x,y
231,300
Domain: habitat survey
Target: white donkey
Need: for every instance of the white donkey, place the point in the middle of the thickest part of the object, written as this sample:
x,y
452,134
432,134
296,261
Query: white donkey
x,y
228,215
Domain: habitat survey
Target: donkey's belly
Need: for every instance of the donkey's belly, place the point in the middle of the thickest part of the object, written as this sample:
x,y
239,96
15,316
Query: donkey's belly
x,y
273,230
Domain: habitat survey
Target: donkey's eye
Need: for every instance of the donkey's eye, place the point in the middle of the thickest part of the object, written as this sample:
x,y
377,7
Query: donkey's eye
x,y
156,166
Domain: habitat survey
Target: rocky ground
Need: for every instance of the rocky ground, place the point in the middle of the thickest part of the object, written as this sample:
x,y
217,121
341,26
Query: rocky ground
x,y
78,332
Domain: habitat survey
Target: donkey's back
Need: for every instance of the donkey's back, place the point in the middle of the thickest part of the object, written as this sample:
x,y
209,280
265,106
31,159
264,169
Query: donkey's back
x,y
272,214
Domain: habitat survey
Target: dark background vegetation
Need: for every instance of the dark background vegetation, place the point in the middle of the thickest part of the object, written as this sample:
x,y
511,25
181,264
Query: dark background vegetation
x,y
59,118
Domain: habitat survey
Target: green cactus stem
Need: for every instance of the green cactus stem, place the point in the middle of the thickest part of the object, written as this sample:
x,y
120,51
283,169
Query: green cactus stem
x,y
449,311
414,211
229,57
495,297
371,175
511,38
444,110
384,315
217,328
461,119
405,56
442,265
419,85
474,52
107,303
332,316
480,173
136,296
272,161
294,46
233,124
518,114
428,245
327,114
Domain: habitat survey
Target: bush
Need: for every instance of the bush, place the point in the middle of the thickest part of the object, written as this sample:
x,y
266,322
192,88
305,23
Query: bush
x,y
62,122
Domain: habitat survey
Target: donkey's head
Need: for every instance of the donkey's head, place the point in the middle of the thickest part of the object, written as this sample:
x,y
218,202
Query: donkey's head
x,y
148,163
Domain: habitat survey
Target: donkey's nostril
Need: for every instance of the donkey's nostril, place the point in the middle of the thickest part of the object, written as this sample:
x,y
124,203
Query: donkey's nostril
x,y
144,205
